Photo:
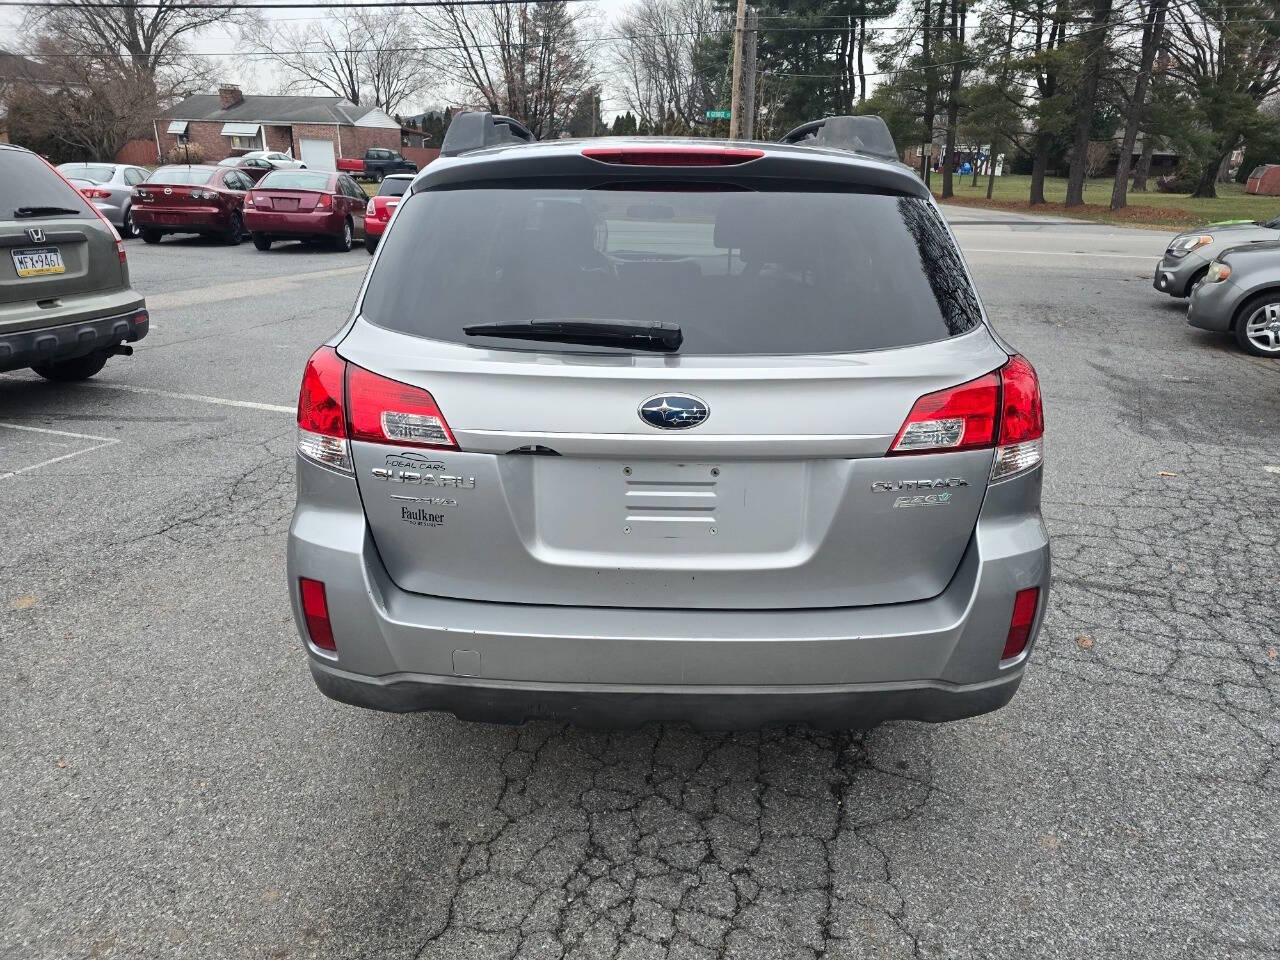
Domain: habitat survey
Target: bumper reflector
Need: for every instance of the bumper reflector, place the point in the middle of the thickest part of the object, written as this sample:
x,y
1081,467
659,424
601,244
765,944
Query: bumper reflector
x,y
1024,615
315,607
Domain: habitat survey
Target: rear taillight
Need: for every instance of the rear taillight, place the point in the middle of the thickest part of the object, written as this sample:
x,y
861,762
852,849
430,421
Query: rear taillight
x,y
340,402
93,193
387,411
1001,410
674,156
324,201
248,199
315,609
1021,421
322,428
1024,615
958,418
371,209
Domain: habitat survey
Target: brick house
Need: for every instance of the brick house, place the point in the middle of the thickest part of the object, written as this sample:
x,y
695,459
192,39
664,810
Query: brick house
x,y
317,130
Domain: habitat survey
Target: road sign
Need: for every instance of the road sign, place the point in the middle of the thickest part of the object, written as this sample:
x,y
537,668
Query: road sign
x,y
718,114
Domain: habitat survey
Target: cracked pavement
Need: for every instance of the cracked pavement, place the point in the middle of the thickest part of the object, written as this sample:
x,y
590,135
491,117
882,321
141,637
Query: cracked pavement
x,y
172,785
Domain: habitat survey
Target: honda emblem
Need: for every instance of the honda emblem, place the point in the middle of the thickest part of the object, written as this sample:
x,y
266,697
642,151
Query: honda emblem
x,y
35,234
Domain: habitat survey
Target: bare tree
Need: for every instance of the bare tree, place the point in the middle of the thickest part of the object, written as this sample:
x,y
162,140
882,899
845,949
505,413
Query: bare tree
x,y
659,61
526,60
365,55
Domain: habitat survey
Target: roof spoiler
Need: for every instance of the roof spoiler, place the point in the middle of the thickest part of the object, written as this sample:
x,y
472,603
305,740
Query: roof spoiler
x,y
868,135
475,131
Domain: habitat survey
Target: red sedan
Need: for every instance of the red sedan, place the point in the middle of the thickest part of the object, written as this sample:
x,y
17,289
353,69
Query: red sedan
x,y
382,205
193,198
306,205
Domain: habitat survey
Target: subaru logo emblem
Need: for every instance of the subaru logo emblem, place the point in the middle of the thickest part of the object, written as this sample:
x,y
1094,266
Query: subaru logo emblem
x,y
35,234
674,411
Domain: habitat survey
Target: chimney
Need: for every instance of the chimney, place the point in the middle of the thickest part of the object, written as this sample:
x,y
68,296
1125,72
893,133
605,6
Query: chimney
x,y
230,96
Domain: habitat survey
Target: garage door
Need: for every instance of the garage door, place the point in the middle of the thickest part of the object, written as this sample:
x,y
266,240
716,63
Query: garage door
x,y
318,155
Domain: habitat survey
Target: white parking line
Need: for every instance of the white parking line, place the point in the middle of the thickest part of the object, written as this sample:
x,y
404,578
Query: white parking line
x,y
194,397
101,442
1063,253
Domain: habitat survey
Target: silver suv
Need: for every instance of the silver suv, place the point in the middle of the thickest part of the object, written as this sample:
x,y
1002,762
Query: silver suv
x,y
640,429
66,305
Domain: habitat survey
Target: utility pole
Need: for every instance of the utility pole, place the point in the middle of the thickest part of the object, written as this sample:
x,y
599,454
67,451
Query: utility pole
x,y
735,103
748,124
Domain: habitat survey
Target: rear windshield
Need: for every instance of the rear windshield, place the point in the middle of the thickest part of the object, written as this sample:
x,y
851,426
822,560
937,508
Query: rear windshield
x,y
29,189
87,171
742,272
394,187
295,180
181,175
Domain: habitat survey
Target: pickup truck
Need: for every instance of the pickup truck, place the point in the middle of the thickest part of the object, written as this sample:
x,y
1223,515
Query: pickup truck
x,y
377,163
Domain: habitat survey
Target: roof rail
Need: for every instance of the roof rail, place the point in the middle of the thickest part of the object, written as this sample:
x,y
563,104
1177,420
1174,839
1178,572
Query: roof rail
x,y
867,135
475,131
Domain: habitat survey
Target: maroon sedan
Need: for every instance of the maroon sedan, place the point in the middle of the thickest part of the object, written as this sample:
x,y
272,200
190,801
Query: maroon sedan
x,y
306,205
191,199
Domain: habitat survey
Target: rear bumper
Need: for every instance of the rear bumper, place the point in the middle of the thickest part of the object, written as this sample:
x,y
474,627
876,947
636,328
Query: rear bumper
x,y
936,659
181,221
374,227
716,708
28,348
293,224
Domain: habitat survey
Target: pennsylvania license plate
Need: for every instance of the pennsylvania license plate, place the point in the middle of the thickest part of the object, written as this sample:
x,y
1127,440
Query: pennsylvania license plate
x,y
38,262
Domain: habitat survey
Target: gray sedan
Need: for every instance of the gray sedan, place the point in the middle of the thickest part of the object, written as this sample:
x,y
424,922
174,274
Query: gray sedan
x,y
1187,258
109,187
1241,294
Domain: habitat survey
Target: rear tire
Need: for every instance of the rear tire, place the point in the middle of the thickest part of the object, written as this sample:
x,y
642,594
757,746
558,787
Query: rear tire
x,y
235,232
1257,326
371,244
77,368
151,236
128,229
261,242
377,176
344,243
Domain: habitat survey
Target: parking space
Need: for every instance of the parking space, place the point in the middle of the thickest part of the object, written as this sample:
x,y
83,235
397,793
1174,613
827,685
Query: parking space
x,y
172,785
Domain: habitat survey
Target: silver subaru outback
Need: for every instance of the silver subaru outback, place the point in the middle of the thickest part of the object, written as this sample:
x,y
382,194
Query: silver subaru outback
x,y
625,430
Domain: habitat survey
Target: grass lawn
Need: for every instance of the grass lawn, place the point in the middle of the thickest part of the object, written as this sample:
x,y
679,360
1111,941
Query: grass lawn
x,y
1145,209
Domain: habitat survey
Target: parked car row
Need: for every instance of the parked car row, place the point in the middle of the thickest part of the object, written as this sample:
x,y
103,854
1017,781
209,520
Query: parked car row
x,y
1230,272
227,202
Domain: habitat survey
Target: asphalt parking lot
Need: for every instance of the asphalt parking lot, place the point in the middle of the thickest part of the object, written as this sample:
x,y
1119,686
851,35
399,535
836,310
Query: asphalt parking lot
x,y
172,785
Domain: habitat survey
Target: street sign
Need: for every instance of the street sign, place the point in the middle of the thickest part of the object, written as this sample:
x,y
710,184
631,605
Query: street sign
x,y
718,114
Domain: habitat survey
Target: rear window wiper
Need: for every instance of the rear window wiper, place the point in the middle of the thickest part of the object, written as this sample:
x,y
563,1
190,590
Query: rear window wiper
x,y
23,212
644,336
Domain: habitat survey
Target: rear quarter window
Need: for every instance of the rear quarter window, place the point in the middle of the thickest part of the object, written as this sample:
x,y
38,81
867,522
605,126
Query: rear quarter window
x,y
742,271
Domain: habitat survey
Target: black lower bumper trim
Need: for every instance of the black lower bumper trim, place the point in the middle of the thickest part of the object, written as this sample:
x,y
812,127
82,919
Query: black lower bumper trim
x,y
710,710
29,348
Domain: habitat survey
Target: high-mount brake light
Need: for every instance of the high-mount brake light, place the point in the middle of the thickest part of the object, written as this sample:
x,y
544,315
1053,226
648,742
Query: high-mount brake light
x,y
380,410
322,427
674,156
1001,410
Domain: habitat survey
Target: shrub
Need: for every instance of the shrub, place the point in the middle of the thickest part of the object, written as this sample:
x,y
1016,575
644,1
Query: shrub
x,y
1175,183
186,153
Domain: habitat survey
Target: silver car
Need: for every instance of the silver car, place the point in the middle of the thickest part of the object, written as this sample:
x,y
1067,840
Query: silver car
x,y
1186,260
109,187
640,429
278,160
1241,295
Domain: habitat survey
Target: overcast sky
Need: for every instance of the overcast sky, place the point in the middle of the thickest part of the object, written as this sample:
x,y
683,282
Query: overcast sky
x,y
231,64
